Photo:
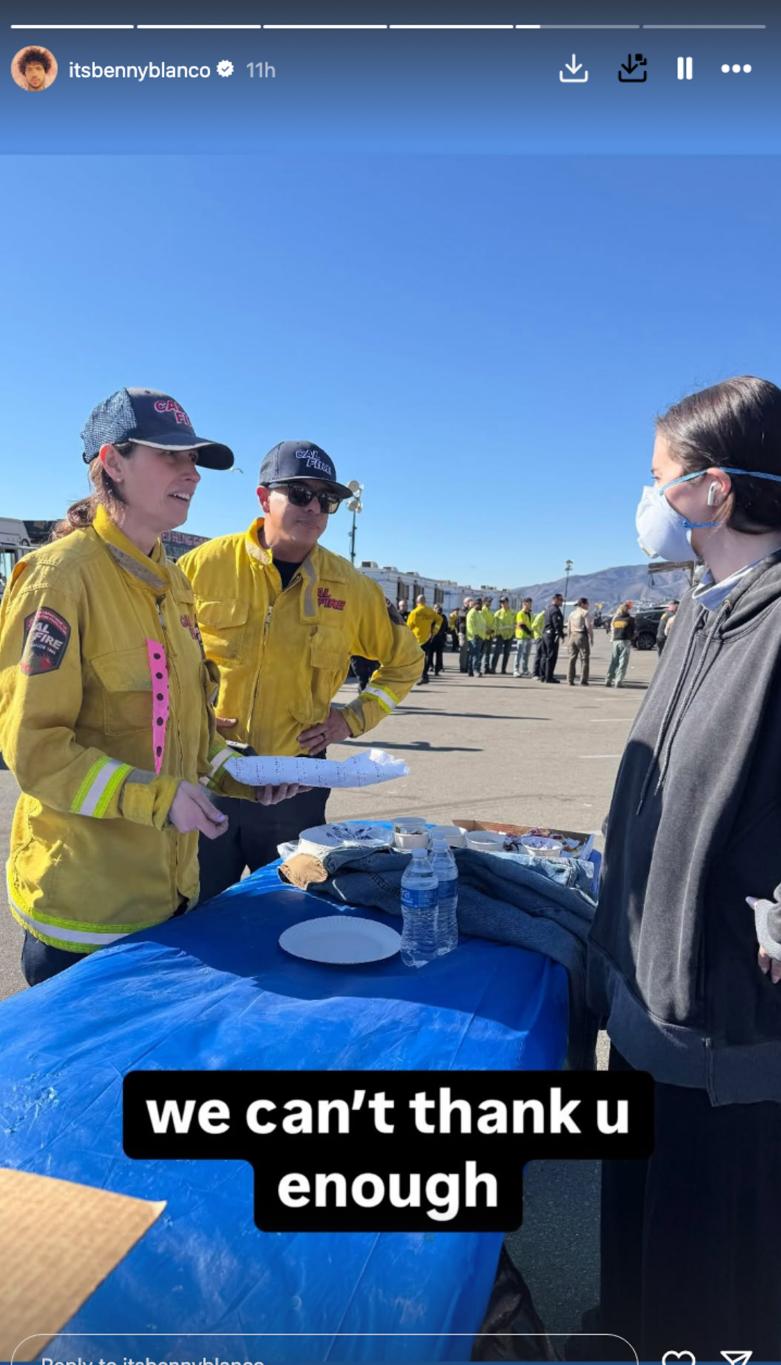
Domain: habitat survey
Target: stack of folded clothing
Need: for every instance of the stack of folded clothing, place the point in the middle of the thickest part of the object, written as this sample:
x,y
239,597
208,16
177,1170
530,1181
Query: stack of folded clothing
x,y
499,898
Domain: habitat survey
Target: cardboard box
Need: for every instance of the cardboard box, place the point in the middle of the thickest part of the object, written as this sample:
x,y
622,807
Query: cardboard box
x,y
60,1239
576,843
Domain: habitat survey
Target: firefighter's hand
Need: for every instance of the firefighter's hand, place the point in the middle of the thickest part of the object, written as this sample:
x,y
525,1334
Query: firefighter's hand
x,y
766,919
192,810
329,731
271,796
225,722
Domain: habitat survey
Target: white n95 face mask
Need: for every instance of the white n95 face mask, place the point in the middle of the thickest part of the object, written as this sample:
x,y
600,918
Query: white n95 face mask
x,y
664,532
660,529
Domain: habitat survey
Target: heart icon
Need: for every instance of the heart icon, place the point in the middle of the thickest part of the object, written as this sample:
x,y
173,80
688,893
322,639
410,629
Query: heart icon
x,y
678,1355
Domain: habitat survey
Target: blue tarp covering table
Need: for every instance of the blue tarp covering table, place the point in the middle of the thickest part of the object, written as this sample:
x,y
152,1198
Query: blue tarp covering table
x,y
214,990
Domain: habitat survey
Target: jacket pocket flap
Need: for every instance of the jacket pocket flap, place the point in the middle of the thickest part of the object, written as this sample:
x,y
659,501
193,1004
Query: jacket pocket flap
x,y
221,615
124,670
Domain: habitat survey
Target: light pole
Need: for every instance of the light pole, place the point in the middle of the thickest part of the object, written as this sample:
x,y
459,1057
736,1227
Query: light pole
x,y
355,505
567,571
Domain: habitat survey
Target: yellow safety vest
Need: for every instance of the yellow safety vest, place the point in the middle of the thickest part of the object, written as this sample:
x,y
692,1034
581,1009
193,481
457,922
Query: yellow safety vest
x,y
523,618
505,623
476,628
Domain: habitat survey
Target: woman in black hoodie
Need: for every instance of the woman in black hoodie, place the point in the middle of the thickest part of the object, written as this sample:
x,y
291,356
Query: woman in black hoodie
x,y
684,971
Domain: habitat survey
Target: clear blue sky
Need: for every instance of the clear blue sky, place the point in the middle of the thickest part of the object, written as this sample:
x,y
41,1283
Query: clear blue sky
x,y
483,342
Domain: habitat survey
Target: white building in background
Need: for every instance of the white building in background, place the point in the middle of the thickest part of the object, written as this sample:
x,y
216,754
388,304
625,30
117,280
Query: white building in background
x,y
396,583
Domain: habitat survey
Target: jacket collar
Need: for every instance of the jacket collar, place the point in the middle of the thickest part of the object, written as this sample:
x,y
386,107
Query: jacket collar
x,y
318,562
148,569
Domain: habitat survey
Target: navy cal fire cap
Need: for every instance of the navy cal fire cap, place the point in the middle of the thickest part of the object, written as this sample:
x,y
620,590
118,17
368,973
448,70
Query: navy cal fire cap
x,y
153,419
301,460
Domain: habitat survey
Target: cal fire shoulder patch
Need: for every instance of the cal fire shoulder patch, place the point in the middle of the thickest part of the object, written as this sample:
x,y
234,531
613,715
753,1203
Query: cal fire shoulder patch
x,y
46,636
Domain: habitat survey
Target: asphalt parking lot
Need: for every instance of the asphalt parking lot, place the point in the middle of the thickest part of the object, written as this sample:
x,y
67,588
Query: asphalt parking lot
x,y
491,748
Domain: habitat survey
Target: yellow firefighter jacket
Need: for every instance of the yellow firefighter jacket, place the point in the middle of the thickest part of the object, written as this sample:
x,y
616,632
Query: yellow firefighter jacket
x,y
423,622
282,654
92,857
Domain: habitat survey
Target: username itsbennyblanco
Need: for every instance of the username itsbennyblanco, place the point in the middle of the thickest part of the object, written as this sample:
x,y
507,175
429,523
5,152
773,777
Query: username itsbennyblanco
x,y
153,71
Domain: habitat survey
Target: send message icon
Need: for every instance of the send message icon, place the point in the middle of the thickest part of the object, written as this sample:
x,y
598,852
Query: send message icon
x,y
737,1357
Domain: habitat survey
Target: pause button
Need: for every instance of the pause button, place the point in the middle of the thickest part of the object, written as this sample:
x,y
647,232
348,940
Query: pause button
x,y
685,68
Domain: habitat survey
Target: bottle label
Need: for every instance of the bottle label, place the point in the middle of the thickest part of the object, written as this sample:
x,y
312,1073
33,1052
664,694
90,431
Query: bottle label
x,y
419,898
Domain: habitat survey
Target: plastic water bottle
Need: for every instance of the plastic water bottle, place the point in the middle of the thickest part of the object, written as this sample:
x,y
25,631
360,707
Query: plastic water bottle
x,y
419,911
443,865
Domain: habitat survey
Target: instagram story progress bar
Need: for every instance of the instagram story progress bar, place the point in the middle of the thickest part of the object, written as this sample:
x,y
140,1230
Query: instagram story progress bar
x,y
390,24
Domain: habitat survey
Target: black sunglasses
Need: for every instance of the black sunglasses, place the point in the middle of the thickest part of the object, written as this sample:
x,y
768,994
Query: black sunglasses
x,y
301,496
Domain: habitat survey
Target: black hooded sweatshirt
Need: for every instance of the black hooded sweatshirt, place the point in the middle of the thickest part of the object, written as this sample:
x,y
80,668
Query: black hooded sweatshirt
x,y
695,827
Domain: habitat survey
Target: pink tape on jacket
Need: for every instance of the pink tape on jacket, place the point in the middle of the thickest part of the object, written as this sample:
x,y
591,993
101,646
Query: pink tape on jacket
x,y
158,672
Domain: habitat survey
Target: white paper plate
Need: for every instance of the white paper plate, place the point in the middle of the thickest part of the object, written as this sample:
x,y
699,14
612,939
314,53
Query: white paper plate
x,y
345,834
341,939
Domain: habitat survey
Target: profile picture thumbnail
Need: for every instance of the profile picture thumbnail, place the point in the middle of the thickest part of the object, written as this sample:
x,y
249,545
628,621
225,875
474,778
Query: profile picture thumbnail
x,y
34,68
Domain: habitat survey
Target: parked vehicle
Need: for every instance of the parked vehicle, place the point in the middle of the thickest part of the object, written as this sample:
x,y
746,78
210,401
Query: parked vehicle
x,y
646,623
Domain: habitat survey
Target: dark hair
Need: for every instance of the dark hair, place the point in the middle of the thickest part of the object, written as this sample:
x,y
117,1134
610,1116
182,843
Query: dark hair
x,y
582,601
34,54
107,494
734,423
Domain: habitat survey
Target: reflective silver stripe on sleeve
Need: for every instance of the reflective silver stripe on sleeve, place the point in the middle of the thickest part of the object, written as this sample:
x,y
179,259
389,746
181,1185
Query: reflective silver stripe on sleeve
x,y
384,698
221,757
101,780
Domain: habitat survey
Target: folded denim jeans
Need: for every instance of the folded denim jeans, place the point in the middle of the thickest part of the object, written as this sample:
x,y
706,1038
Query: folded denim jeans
x,y
501,898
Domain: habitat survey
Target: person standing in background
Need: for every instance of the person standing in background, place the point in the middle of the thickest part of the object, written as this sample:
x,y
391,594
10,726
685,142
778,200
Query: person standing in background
x,y
662,630
452,625
504,626
463,642
552,633
423,621
622,633
438,641
490,631
580,633
538,621
524,637
476,636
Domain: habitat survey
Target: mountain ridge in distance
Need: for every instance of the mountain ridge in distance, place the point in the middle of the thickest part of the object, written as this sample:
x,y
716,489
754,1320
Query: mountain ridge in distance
x,y
611,586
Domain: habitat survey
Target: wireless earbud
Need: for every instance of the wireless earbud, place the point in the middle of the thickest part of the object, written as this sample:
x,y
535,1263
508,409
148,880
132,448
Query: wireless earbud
x,y
713,492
